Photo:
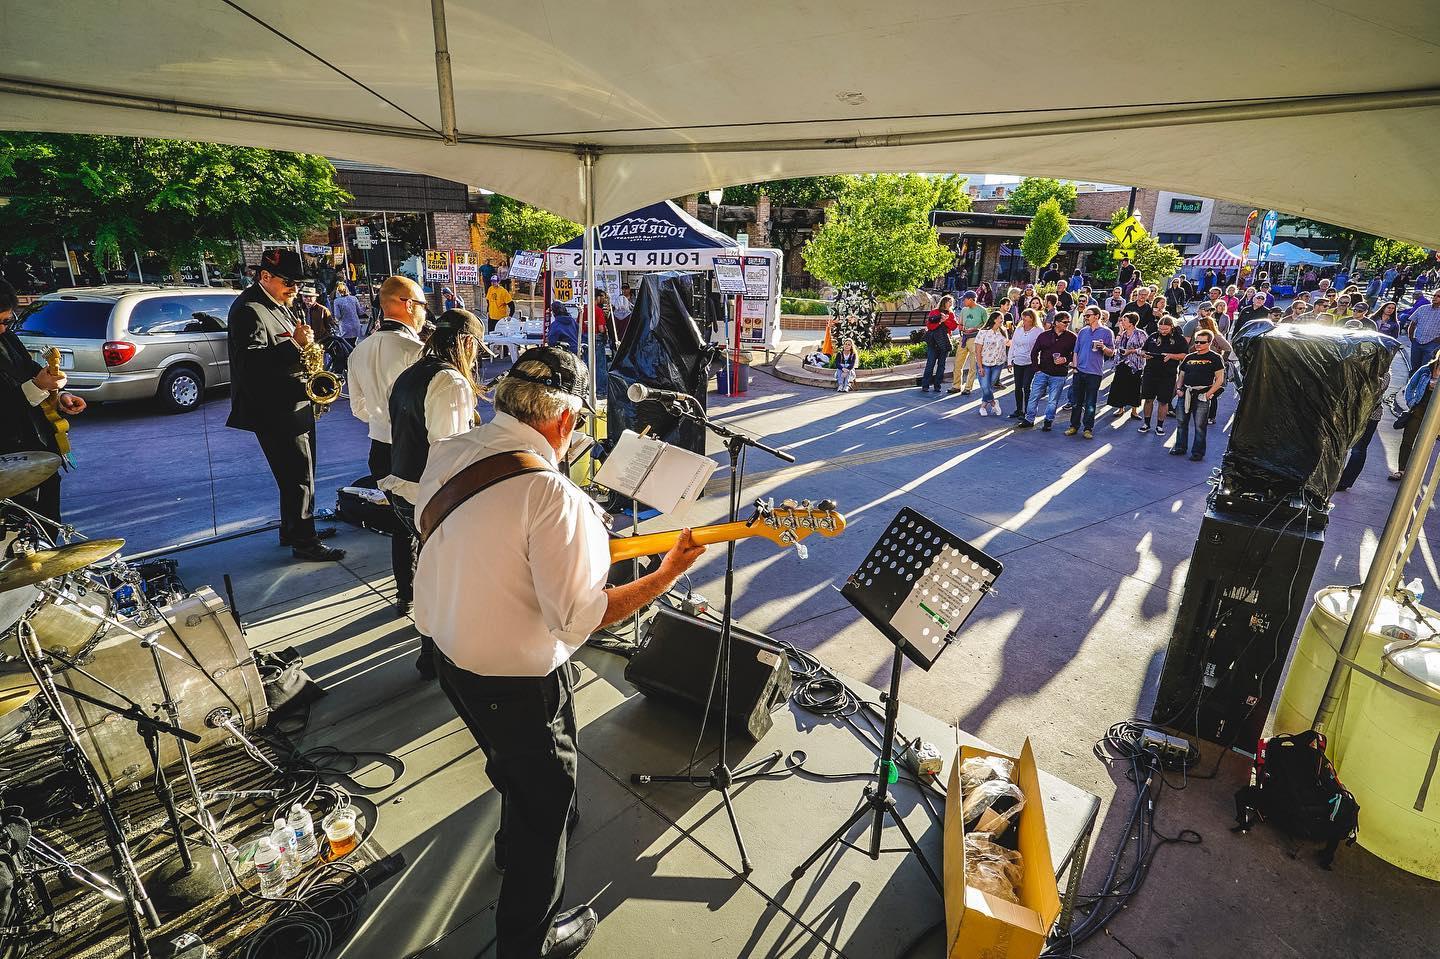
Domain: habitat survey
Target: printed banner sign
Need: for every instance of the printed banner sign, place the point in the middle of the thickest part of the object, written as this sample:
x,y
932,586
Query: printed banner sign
x,y
526,265
467,267
437,266
728,275
757,277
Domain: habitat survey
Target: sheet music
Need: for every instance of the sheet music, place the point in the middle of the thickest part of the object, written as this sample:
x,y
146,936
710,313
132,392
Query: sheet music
x,y
657,474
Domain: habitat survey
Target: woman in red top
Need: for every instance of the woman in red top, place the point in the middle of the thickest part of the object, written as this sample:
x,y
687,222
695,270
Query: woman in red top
x,y
938,327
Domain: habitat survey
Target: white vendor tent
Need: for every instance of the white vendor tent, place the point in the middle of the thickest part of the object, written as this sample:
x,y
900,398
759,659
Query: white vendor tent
x,y
1288,254
1217,257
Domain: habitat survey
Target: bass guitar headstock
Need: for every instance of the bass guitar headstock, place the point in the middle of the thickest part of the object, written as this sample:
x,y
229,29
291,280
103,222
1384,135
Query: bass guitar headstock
x,y
791,522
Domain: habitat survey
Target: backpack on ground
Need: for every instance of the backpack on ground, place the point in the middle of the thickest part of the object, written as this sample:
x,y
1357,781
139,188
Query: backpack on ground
x,y
1296,788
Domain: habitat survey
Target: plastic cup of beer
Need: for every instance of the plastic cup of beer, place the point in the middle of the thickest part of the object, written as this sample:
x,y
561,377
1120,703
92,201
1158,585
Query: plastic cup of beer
x,y
340,832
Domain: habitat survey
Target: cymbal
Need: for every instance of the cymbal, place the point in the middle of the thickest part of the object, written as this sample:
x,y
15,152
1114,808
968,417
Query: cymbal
x,y
31,568
21,472
17,687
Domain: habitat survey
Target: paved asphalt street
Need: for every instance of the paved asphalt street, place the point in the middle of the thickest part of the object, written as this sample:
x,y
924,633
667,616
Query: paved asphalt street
x,y
1095,537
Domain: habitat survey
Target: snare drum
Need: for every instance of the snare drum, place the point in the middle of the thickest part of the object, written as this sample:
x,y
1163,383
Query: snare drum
x,y
208,641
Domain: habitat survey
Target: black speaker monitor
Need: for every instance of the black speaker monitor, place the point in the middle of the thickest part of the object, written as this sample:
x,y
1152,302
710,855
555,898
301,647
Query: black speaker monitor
x,y
1248,584
676,661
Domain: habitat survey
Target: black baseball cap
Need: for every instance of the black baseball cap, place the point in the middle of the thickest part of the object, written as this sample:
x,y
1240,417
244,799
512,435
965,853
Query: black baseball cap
x,y
283,263
463,321
567,374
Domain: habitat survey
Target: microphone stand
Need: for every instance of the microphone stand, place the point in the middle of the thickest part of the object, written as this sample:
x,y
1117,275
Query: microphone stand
x,y
721,777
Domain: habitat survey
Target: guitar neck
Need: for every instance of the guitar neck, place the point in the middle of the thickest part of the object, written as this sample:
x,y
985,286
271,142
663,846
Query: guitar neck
x,y
646,544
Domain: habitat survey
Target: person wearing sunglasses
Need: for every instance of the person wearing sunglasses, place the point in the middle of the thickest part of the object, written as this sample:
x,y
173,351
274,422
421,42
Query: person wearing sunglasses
x,y
374,367
267,395
1202,373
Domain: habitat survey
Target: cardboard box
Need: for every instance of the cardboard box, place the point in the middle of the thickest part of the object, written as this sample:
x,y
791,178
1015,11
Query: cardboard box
x,y
981,926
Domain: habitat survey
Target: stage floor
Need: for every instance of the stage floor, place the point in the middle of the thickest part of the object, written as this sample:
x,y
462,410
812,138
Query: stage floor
x,y
658,862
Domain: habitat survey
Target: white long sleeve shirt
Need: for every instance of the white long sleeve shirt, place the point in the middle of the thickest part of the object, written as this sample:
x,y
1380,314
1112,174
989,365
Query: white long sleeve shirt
x,y
374,366
544,550
449,411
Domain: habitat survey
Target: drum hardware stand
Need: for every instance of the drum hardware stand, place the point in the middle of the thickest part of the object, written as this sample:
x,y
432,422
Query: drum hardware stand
x,y
223,718
137,902
721,777
187,880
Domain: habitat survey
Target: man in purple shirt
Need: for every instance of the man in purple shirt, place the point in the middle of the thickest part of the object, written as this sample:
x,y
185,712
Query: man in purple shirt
x,y
1093,345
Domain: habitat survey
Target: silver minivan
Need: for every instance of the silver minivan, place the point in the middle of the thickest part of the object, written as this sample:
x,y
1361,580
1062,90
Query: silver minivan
x,y
133,342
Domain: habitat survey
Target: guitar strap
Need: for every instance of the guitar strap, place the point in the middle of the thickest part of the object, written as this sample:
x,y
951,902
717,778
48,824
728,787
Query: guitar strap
x,y
473,479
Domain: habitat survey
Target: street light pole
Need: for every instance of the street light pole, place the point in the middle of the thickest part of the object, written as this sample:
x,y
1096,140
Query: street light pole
x,y
715,197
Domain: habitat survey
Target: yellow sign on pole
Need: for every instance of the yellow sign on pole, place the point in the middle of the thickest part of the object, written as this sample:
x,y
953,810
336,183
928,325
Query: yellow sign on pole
x,y
564,289
1128,230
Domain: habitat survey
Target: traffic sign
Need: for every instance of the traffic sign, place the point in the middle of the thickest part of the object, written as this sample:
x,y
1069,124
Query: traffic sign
x,y
1124,253
1128,230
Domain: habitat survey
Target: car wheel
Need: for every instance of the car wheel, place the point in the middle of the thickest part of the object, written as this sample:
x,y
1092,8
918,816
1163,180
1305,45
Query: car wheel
x,y
181,389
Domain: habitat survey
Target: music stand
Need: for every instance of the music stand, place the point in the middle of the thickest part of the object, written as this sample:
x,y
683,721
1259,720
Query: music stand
x,y
918,585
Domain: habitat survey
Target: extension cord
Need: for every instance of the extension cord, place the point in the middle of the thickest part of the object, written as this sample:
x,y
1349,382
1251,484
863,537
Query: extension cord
x,y
1165,746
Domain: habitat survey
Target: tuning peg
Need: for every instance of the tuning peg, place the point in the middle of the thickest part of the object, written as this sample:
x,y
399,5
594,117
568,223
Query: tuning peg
x,y
788,504
827,505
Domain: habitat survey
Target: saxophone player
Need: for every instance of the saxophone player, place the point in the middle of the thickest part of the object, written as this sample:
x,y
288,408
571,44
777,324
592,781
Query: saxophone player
x,y
267,396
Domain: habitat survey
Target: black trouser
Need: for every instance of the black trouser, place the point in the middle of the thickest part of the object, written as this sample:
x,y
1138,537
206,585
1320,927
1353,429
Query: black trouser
x,y
526,728
292,462
1412,430
403,546
1024,373
405,512
1356,462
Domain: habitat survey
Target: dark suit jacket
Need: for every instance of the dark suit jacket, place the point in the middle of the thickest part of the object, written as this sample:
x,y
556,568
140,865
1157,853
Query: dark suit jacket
x,y
267,389
22,426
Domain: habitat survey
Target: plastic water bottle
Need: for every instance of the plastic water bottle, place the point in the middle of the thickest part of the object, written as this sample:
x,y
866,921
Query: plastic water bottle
x,y
284,840
306,848
267,867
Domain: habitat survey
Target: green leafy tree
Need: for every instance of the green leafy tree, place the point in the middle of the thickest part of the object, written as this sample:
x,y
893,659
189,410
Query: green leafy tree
x,y
879,233
1154,261
519,226
176,198
1352,242
1384,252
950,193
805,191
1032,191
1042,237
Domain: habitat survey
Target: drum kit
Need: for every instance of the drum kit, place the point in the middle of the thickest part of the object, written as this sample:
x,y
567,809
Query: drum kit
x,y
127,704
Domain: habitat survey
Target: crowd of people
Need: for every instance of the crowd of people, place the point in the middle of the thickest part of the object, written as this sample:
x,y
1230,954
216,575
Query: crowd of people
x,y
1167,349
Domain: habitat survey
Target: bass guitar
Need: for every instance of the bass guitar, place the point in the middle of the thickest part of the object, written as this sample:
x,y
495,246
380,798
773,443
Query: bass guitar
x,y
784,525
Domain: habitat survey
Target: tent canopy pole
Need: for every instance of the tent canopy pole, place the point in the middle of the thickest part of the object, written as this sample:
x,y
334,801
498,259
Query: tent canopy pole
x,y
587,173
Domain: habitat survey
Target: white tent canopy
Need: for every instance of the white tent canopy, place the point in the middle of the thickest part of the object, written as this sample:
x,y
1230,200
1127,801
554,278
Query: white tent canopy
x,y
514,96
1287,253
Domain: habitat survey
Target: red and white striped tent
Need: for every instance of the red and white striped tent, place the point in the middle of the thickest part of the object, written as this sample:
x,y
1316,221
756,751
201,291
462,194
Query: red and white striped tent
x,y
1217,255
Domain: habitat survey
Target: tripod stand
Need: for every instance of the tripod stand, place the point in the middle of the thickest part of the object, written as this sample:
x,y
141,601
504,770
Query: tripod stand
x,y
721,777
917,586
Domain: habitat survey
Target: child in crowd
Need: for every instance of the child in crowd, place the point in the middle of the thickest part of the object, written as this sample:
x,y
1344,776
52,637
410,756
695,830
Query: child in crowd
x,y
846,362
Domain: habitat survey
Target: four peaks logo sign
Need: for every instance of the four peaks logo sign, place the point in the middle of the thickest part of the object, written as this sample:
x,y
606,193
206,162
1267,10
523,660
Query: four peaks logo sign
x,y
633,227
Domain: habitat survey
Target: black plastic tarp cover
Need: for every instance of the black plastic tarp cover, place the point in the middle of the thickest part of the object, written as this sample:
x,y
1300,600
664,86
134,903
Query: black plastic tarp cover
x,y
663,349
1309,391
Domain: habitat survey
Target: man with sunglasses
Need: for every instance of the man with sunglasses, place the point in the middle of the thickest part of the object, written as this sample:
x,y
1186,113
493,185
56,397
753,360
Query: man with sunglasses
x,y
374,367
496,497
1202,373
267,395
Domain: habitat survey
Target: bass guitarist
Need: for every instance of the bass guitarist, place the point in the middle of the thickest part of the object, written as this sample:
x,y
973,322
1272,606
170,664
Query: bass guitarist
x,y
25,386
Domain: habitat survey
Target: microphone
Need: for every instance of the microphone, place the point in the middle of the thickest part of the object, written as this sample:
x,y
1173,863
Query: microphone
x,y
640,393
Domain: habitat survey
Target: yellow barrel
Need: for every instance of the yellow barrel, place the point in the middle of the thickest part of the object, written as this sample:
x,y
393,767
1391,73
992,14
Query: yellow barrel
x,y
1390,759
1321,636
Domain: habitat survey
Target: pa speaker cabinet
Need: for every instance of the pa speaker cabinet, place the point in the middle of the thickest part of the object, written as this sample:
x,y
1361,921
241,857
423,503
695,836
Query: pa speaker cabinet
x,y
677,660
1248,584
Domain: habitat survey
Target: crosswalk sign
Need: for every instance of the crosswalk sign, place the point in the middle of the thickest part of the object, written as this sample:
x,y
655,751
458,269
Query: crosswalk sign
x,y
1124,253
1128,230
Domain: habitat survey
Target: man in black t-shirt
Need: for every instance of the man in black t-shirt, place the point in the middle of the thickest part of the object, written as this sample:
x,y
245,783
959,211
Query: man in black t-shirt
x,y
1163,353
1202,373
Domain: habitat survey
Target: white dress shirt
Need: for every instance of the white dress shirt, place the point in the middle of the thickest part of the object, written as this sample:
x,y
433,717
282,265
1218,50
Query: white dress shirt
x,y
513,582
374,366
449,411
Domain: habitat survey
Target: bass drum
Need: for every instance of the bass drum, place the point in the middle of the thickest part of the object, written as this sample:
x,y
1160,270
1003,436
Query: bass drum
x,y
70,624
14,602
214,669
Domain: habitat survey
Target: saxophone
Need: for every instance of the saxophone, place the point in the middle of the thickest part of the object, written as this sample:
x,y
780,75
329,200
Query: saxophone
x,y
321,386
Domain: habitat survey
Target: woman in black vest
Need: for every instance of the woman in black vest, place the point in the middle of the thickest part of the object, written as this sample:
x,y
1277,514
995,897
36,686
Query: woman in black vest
x,y
432,400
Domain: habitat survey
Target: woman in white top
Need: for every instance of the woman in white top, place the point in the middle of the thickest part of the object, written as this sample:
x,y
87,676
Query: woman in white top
x,y
1022,344
994,354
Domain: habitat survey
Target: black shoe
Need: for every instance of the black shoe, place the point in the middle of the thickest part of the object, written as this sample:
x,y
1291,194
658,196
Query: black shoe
x,y
323,532
571,932
403,608
1196,458
1017,415
425,666
1024,425
499,854
315,552
1045,428
1177,452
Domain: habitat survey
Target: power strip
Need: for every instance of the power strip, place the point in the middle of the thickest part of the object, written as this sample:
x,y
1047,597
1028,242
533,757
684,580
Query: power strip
x,y
1165,745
